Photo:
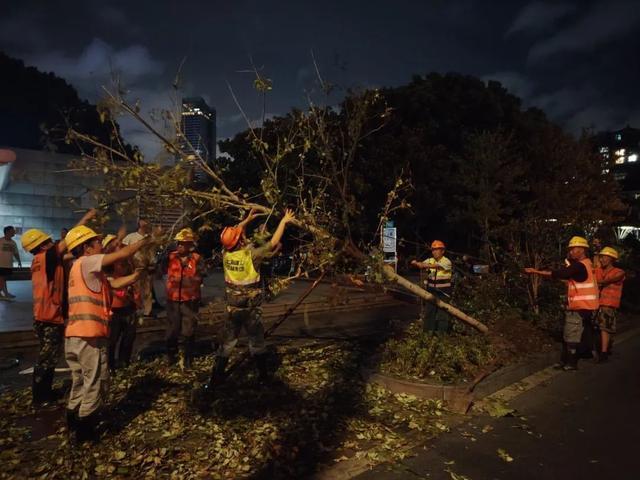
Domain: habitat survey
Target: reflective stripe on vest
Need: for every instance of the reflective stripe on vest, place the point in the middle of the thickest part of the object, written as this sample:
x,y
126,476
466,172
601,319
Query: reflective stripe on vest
x,y
89,312
239,269
610,294
47,295
438,278
183,283
583,295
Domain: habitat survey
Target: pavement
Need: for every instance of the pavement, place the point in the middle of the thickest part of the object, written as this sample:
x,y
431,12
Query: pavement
x,y
17,315
317,319
570,425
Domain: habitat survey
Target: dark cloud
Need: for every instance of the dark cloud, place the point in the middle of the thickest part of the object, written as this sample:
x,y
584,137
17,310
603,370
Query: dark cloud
x,y
576,59
539,16
604,22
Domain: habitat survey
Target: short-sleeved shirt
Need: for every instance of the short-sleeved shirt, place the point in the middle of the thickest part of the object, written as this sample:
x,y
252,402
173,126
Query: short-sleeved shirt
x,y
132,238
92,272
8,251
258,254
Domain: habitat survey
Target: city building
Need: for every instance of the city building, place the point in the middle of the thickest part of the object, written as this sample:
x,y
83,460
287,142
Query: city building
x,y
38,190
622,149
198,136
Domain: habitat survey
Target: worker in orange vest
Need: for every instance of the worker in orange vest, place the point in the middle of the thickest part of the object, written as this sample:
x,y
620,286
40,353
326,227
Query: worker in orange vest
x,y
87,332
610,280
582,299
49,306
185,269
124,301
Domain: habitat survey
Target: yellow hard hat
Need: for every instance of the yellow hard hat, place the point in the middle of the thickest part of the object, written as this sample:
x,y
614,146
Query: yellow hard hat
x,y
78,235
578,242
610,252
185,235
33,238
106,240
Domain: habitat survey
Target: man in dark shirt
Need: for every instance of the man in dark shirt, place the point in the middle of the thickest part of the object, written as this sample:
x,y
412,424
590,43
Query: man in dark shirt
x,y
582,299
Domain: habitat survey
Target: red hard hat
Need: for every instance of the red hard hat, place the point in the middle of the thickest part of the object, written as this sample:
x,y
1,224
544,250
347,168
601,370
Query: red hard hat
x,y
230,236
437,244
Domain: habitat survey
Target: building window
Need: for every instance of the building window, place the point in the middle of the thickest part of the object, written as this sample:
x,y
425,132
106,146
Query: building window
x,y
619,160
618,137
633,157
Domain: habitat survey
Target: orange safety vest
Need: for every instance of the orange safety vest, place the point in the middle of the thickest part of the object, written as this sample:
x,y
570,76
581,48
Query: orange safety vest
x,y
611,293
583,295
183,283
121,297
47,295
89,312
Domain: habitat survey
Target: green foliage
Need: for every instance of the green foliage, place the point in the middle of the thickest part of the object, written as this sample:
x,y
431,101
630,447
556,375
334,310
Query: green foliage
x,y
442,358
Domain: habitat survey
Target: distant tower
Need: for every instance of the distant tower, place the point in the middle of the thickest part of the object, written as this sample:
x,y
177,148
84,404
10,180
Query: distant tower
x,y
199,130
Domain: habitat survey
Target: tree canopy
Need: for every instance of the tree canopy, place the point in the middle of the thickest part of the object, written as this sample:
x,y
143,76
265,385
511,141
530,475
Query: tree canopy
x,y
37,108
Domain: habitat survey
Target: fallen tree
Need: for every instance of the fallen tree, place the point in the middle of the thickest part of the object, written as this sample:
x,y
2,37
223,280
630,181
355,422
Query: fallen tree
x,y
305,158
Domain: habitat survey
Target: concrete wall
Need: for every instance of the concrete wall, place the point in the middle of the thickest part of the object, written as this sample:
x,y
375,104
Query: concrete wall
x,y
39,194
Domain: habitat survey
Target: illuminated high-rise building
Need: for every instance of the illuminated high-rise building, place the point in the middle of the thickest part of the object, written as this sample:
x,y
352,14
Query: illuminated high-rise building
x,y
199,133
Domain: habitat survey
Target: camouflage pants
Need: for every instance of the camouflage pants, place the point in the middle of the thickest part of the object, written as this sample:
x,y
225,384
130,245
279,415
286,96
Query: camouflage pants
x,y
238,319
50,336
607,319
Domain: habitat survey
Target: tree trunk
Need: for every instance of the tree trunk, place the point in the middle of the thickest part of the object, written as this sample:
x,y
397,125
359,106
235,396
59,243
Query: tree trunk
x,y
392,276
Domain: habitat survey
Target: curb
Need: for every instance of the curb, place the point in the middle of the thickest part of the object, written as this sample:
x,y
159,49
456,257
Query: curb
x,y
25,339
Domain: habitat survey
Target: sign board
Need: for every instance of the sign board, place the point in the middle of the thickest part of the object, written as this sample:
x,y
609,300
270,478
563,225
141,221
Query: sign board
x,y
389,240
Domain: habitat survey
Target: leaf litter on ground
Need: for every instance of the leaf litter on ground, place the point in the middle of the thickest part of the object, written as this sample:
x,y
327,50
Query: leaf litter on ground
x,y
316,411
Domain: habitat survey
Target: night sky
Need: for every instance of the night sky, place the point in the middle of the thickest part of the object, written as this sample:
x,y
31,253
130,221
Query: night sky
x,y
576,60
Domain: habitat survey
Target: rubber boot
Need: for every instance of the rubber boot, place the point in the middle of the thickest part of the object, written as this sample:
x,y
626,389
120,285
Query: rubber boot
x,y
187,354
38,390
217,376
47,387
261,365
172,353
72,420
86,428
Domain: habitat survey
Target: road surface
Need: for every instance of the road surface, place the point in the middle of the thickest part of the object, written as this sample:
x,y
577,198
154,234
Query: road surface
x,y
577,426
